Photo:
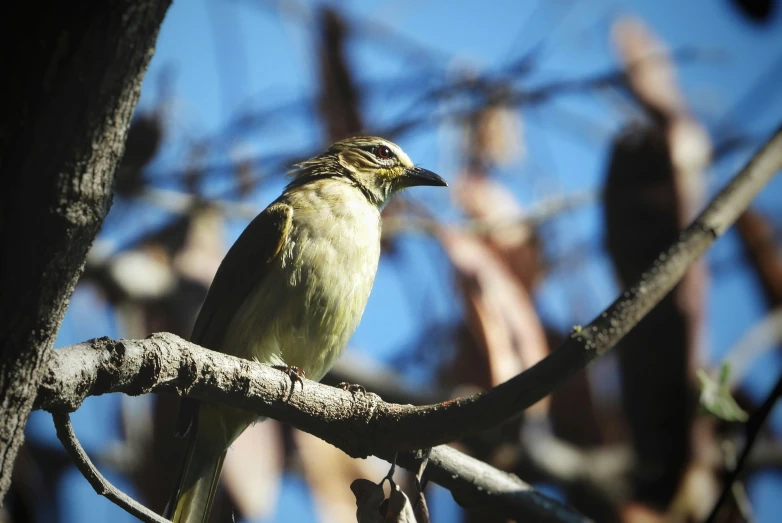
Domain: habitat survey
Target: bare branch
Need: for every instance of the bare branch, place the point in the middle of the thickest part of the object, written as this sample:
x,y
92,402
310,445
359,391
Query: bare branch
x,y
535,215
753,427
164,362
763,336
62,422
475,484
362,424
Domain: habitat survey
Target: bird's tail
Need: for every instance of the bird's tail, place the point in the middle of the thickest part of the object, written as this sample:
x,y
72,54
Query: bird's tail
x,y
198,481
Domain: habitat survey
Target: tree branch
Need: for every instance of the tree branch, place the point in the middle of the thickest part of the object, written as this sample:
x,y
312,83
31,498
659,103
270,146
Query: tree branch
x,y
164,362
478,485
362,424
753,427
535,215
62,422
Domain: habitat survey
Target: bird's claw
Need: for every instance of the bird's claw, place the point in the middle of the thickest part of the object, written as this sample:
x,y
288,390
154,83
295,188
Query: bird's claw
x,y
352,387
295,374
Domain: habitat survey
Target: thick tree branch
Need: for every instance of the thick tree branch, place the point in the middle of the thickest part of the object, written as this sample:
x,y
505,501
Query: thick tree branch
x,y
165,362
362,424
62,422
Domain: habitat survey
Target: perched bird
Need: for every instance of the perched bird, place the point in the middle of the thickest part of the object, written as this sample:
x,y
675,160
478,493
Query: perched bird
x,y
291,290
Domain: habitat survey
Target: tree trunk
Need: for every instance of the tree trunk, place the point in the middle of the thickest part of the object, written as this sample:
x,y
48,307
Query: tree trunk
x,y
73,75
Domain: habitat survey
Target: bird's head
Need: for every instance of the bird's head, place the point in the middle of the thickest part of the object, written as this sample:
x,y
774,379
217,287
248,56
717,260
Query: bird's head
x,y
375,165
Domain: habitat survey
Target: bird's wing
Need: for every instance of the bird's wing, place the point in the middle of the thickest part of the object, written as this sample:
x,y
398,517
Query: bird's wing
x,y
241,271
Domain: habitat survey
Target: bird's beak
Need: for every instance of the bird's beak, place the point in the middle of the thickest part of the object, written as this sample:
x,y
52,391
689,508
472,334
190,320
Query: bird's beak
x,y
420,176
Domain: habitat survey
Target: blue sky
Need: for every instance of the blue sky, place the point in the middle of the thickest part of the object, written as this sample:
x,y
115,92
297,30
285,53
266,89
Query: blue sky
x,y
225,57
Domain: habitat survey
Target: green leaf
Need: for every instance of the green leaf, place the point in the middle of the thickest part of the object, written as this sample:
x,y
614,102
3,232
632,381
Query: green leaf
x,y
715,396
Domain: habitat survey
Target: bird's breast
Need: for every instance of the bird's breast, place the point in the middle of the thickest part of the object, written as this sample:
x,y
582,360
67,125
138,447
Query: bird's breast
x,y
306,310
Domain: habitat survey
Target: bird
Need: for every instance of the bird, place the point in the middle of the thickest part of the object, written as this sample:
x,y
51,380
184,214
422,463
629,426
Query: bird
x,y
291,291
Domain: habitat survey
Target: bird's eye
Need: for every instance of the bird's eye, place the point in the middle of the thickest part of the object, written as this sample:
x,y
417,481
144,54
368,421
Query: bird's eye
x,y
383,152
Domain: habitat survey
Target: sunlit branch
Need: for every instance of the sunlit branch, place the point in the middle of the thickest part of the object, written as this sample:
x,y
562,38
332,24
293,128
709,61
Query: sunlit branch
x,y
362,424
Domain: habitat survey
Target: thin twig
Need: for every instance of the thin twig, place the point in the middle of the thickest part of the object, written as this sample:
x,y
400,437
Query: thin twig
x,y
183,203
753,427
743,504
419,475
763,336
62,422
535,215
739,493
420,508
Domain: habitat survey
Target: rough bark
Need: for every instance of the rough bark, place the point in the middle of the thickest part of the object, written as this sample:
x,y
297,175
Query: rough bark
x,y
72,84
356,423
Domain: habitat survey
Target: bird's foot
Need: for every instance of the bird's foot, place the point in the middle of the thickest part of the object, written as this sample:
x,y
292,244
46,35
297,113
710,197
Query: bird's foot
x,y
352,387
295,374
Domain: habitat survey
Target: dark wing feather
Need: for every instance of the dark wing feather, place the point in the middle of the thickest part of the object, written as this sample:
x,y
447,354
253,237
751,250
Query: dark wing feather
x,y
242,270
